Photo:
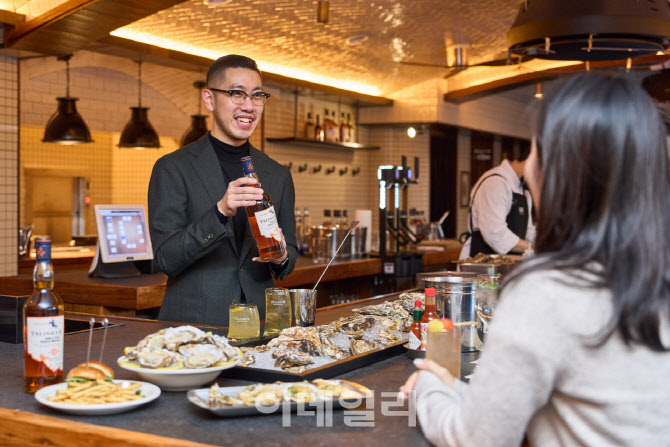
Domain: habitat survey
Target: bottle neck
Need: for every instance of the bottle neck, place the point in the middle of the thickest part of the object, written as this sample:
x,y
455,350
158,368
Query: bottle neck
x,y
417,314
255,177
43,275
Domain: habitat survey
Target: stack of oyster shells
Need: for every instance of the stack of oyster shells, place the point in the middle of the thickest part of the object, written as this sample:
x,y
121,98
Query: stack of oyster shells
x,y
297,349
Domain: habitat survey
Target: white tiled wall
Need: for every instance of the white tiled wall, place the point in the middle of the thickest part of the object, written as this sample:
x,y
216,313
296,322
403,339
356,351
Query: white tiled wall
x,y
9,159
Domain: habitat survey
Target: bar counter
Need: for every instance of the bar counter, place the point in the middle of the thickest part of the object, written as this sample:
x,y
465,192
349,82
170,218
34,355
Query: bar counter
x,y
178,421
130,296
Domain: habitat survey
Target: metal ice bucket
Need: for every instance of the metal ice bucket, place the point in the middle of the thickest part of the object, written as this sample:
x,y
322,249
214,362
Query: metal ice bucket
x,y
334,236
455,299
357,240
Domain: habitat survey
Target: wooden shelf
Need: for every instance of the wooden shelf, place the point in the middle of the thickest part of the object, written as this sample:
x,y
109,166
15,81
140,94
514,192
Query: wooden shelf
x,y
321,144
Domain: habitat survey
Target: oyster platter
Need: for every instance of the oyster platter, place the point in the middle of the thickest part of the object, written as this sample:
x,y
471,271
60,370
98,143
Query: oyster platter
x,y
373,333
266,398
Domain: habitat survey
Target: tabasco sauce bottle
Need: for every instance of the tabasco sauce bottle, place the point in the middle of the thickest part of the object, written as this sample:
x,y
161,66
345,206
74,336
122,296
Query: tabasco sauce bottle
x,y
429,313
415,329
43,325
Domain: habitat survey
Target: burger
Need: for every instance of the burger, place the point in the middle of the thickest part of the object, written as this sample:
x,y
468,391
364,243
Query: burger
x,y
90,371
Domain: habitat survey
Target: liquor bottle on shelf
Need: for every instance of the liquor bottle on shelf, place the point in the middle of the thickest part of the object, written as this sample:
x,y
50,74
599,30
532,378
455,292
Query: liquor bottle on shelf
x,y
319,134
415,329
337,218
43,324
263,220
344,130
345,219
350,128
336,128
309,127
327,222
327,126
429,313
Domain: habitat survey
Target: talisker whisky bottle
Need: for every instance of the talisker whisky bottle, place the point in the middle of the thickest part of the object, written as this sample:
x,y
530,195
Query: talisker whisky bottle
x,y
263,221
43,325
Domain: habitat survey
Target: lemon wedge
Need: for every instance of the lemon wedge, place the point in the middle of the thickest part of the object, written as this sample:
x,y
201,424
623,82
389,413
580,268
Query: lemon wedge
x,y
179,365
435,326
128,349
132,365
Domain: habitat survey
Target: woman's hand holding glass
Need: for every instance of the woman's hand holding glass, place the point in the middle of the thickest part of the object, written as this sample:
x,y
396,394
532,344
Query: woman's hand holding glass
x,y
426,365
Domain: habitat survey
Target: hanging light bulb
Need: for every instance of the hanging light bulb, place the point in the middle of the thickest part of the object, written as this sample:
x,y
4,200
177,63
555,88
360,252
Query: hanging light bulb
x,y
139,133
66,126
198,122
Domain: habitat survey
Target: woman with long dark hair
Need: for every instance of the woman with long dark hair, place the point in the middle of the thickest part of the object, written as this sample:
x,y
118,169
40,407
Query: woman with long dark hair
x,y
577,353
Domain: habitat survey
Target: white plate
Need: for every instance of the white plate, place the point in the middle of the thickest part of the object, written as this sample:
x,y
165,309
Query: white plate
x,y
200,397
177,379
149,391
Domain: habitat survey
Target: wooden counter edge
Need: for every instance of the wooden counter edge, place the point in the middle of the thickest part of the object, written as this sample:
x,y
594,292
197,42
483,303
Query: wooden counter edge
x,y
24,429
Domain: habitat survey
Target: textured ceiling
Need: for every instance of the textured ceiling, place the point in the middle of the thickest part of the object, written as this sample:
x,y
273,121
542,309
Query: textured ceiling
x,y
285,34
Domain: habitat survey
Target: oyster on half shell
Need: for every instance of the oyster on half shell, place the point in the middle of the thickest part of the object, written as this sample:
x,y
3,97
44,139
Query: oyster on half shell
x,y
177,336
286,358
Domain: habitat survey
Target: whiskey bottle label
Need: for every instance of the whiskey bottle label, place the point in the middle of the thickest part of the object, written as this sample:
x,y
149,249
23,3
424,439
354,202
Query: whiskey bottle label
x,y
267,223
44,340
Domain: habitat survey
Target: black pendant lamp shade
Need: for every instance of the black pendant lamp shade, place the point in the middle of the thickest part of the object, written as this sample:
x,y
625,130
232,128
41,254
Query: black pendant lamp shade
x,y
590,30
66,126
139,133
198,122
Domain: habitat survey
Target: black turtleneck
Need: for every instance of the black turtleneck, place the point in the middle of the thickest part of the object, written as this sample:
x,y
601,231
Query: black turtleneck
x,y
230,159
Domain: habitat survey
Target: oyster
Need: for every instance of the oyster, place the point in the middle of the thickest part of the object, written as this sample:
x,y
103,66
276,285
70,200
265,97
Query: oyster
x,y
260,394
151,341
388,337
262,348
201,356
157,358
327,329
332,350
296,369
177,336
248,359
218,400
305,346
354,324
360,346
222,342
330,389
286,358
298,333
389,324
299,392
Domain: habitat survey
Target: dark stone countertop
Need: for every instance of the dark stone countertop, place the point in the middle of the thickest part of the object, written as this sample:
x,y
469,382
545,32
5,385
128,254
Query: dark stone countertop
x,y
174,416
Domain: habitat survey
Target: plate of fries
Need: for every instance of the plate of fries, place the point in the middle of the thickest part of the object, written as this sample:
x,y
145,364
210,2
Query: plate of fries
x,y
98,397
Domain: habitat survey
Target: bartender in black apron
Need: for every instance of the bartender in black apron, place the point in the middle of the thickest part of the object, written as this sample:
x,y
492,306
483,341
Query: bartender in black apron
x,y
517,220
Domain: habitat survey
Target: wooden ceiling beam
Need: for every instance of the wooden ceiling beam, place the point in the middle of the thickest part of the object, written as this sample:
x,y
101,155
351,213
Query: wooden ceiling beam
x,y
470,92
74,24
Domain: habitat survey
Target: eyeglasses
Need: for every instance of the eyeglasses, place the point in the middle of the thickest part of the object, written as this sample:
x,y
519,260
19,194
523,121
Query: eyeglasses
x,y
239,97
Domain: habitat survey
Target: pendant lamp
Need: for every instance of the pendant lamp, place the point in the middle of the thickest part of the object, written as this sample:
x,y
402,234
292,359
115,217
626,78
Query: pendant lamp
x,y
198,122
66,126
139,133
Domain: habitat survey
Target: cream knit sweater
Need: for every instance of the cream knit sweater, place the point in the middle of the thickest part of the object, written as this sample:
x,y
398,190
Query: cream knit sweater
x,y
539,375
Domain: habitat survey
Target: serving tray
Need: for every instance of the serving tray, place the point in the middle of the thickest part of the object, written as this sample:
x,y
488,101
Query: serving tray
x,y
322,372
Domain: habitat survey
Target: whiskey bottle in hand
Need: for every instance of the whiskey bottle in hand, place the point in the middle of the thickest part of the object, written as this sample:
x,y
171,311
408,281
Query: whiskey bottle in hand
x,y
263,220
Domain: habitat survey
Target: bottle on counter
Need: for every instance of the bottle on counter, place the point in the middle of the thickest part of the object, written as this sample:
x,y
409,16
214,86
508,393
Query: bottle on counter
x,y
344,223
327,220
415,329
309,127
43,324
429,313
319,134
350,129
299,230
263,220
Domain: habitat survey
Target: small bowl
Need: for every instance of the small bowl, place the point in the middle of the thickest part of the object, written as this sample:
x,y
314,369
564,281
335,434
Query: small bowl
x,y
183,379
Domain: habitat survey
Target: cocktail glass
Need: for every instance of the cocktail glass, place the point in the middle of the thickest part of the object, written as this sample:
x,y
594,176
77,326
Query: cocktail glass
x,y
243,320
486,296
444,348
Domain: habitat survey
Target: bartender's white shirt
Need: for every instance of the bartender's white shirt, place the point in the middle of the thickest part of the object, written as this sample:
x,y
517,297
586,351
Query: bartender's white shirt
x,y
490,208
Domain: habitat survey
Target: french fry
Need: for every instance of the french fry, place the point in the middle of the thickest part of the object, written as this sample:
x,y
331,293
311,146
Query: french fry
x,y
98,392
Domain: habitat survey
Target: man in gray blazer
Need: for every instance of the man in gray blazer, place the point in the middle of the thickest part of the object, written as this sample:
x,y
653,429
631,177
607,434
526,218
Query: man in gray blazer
x,y
199,229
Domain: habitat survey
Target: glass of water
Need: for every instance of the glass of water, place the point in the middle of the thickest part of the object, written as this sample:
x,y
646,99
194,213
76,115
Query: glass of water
x,y
486,295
